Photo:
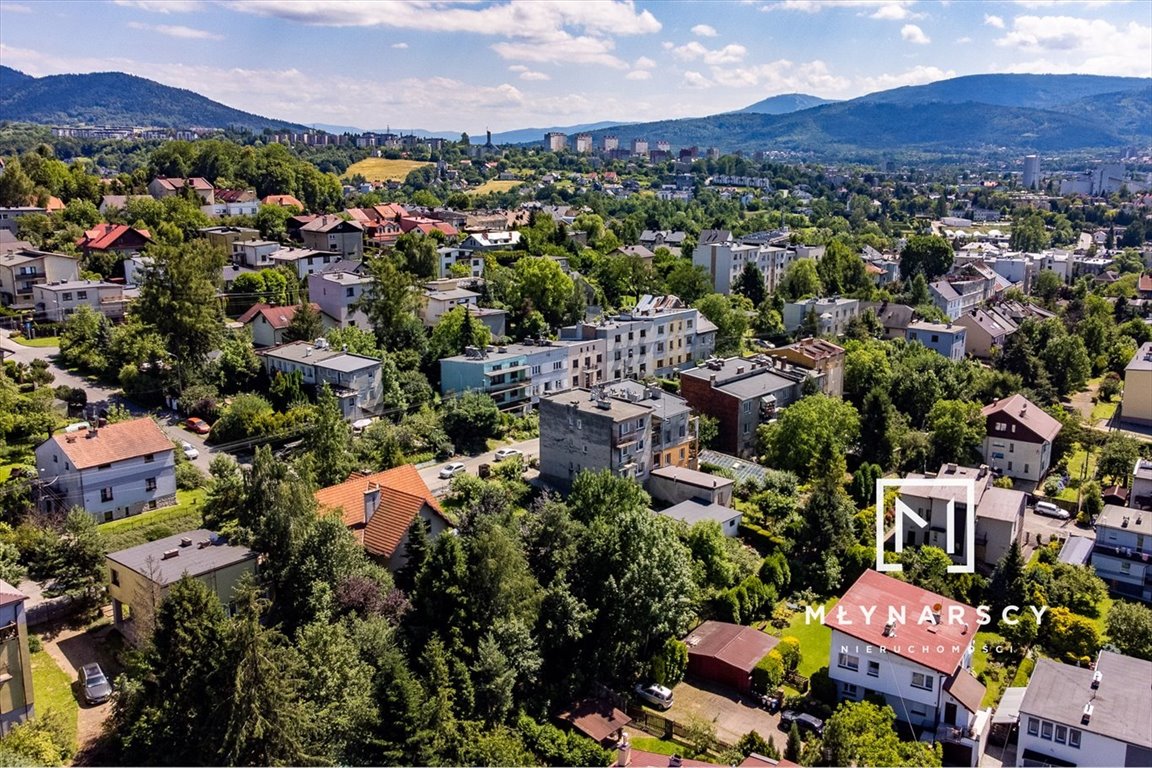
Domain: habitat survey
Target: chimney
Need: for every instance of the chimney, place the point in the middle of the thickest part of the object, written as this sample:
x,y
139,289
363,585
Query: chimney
x,y
371,501
624,752
169,554
185,542
1097,676
712,379
1088,709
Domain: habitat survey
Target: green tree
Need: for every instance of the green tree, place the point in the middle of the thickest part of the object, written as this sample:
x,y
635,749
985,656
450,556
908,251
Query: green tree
x,y
862,733
1047,286
328,443
1028,233
388,300
1117,457
1066,360
841,270
470,420
16,187
801,280
794,745
305,325
178,300
688,281
1130,629
1070,636
750,284
1008,585
958,430
456,329
79,560
543,286
418,254
808,429
929,255
879,421
337,687
730,319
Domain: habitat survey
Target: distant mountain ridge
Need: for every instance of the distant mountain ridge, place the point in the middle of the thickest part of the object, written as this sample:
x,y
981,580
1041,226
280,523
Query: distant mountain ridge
x,y
784,104
115,98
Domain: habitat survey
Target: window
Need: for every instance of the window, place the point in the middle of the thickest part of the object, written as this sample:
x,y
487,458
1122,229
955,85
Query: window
x,y
917,709
748,406
579,424
67,296
115,577
82,295
873,669
1061,734
849,662
108,516
1001,427
105,494
1046,731
851,690
558,365
150,484
349,292
1025,469
1074,738
935,338
921,680
149,458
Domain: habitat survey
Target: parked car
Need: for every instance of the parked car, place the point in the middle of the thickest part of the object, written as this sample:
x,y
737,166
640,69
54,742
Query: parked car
x,y
94,684
507,453
199,426
803,721
190,451
1048,509
450,471
656,695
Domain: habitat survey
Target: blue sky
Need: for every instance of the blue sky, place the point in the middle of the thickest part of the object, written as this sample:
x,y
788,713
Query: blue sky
x,y
509,64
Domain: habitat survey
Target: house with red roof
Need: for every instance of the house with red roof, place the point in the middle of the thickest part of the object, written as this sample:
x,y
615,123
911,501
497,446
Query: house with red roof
x,y
914,648
379,509
114,238
161,187
284,201
1019,437
426,226
268,323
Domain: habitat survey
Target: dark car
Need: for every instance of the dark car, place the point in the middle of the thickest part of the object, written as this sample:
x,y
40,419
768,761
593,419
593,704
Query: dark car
x,y
94,683
803,721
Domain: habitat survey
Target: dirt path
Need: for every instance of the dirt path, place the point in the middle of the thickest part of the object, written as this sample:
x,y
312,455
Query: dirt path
x,y
72,649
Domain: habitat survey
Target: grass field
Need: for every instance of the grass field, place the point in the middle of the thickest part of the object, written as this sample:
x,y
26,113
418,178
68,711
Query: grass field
x,y
1102,410
495,185
657,746
44,341
815,640
1075,466
383,169
186,515
54,690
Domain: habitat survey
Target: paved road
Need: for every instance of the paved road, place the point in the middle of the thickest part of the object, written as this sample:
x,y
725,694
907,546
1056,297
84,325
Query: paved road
x,y
1034,523
439,487
97,392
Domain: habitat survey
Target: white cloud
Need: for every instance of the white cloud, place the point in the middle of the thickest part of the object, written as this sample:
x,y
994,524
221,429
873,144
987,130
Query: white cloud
x,y
566,50
963,40
638,74
782,76
692,51
914,34
176,30
517,68
644,63
530,75
400,46
1053,3
14,8
994,21
916,76
704,30
695,80
163,6
1078,45
892,12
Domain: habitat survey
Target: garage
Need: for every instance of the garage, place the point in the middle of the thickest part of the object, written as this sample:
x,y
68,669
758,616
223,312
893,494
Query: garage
x,y
726,654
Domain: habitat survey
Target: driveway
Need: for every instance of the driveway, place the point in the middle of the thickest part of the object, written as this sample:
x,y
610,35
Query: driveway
x,y
72,649
732,714
439,487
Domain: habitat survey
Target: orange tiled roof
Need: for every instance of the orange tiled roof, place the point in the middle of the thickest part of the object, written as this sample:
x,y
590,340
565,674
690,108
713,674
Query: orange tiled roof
x,y
105,236
284,200
277,317
114,442
402,495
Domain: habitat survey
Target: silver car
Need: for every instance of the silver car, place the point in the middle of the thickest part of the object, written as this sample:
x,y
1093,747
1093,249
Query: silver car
x,y
450,471
507,453
94,684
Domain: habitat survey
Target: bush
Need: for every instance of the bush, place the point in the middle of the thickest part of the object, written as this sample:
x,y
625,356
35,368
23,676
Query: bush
x,y
768,672
189,477
35,644
669,665
789,650
821,687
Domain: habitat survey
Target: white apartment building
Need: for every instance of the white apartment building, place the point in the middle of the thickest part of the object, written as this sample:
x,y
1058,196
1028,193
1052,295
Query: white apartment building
x,y
56,301
436,303
112,471
725,261
1082,716
832,314
354,379
338,293
914,648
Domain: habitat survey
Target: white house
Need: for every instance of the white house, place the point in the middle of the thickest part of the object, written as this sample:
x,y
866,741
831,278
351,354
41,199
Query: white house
x,y
354,379
1019,437
255,254
56,301
832,314
436,303
450,256
1122,554
338,292
112,471
914,648
267,323
304,261
1081,716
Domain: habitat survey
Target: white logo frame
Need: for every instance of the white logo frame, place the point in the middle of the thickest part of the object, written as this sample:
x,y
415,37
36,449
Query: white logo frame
x,y
903,510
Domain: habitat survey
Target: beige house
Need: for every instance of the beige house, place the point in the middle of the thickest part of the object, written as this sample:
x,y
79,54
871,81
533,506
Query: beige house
x,y
139,577
16,694
1137,403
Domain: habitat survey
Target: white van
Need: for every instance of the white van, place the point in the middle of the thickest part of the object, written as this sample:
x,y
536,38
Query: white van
x,y
1048,509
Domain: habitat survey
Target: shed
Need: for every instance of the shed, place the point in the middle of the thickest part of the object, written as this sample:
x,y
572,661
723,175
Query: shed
x,y
597,719
725,653
1077,550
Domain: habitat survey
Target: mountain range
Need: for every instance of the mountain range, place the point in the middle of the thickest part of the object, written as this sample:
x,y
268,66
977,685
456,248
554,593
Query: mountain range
x,y
958,117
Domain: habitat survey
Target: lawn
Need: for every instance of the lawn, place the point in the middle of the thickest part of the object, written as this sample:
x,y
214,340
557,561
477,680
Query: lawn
x,y
186,515
1102,410
495,185
44,341
383,169
815,640
658,746
1075,467
54,690
1101,621
994,683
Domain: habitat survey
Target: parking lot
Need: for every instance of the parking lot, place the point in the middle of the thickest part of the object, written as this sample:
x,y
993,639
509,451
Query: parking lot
x,y
732,714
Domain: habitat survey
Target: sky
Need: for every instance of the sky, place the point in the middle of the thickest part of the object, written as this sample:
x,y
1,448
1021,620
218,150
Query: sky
x,y
509,64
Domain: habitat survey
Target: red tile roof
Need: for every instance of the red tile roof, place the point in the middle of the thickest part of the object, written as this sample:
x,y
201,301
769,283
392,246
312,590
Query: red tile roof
x,y
882,595
1027,413
391,211
105,236
426,225
114,442
235,195
740,646
402,495
196,182
283,200
595,718
277,317
1145,284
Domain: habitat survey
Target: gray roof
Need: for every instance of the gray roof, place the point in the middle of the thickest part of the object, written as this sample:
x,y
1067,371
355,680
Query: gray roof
x,y
1142,360
1077,550
193,559
455,293
585,402
693,511
1001,504
923,325
761,385
306,353
1008,710
1114,515
76,285
664,406
691,477
741,468
1121,706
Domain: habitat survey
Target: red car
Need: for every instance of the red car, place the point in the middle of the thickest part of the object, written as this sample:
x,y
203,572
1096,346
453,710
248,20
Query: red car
x,y
199,426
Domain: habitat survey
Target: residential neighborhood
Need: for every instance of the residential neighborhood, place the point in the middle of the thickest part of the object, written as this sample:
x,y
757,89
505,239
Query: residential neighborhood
x,y
373,448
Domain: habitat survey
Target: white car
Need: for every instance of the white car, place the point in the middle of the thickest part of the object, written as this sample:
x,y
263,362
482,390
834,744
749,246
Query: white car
x,y
1048,509
190,451
450,471
507,453
656,695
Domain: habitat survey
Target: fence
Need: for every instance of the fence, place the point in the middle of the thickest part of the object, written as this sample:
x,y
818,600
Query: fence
x,y
664,727
51,610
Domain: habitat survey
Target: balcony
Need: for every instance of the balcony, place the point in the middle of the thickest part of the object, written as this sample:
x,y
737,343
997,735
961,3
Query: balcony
x,y
1125,553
